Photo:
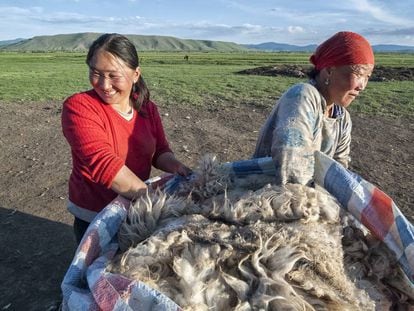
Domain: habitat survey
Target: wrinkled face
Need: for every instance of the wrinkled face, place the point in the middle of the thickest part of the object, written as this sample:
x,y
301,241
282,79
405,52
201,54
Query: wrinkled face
x,y
111,78
346,82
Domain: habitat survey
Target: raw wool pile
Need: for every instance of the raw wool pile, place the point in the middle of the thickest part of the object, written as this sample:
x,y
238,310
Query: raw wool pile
x,y
373,268
219,245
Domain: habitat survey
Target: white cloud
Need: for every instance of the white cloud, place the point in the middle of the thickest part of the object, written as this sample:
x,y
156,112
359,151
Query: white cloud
x,y
295,29
69,18
393,32
239,6
379,13
18,11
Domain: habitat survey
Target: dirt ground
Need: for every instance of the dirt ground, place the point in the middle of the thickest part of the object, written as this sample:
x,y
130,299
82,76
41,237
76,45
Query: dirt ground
x,y
36,237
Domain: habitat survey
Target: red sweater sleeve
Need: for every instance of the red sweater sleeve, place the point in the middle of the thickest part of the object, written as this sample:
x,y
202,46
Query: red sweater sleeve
x,y
86,128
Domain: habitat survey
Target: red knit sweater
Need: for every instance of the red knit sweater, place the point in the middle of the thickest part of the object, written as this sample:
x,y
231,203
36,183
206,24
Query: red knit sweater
x,y
102,142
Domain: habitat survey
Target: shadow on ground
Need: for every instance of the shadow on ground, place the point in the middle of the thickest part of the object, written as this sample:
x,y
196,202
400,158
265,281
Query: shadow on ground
x,y
35,254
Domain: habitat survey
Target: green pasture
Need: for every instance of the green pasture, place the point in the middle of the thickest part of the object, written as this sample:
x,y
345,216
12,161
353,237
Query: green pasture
x,y
207,78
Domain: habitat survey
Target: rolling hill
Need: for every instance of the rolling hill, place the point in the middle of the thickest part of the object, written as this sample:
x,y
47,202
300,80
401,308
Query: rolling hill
x,y
80,42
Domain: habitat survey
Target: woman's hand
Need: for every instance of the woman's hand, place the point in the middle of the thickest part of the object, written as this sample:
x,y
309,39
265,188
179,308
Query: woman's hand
x,y
167,162
127,184
183,170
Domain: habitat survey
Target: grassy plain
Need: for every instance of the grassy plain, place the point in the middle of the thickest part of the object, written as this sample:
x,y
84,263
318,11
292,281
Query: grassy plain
x,y
205,79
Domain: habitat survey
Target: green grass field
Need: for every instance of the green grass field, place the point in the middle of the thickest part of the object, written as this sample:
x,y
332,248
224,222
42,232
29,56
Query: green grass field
x,y
206,79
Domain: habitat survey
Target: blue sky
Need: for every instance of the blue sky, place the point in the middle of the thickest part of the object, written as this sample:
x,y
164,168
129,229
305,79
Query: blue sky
x,y
298,22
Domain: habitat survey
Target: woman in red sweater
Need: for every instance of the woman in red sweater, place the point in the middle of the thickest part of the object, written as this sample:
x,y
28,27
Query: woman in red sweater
x,y
114,131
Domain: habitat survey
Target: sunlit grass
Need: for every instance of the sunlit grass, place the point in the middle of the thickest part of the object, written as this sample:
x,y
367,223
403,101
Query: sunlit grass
x,y
206,79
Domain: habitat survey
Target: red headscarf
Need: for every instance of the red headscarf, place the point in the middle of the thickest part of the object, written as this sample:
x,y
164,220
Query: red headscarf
x,y
343,48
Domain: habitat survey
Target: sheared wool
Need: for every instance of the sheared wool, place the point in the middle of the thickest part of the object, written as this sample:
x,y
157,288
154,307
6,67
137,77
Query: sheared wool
x,y
221,244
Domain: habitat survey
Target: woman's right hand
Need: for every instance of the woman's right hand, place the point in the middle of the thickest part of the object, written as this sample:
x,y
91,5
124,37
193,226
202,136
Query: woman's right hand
x,y
127,184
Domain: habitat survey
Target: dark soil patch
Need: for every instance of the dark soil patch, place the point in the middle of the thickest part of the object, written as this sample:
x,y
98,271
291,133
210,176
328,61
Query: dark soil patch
x,y
381,73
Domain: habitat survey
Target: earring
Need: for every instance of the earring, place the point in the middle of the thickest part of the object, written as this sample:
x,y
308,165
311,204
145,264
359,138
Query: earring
x,y
327,81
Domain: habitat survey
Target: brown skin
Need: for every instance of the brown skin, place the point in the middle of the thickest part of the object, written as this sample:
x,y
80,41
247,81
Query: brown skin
x,y
112,79
344,84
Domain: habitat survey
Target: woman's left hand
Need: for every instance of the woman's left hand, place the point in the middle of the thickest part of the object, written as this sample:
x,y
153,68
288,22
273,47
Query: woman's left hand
x,y
183,170
168,163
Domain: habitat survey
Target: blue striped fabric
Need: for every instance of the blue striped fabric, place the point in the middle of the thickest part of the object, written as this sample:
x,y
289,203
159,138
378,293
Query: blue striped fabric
x,y
252,166
373,208
88,286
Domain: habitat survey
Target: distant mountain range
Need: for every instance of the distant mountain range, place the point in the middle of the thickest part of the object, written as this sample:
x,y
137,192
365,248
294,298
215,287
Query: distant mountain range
x,y
81,41
273,46
9,42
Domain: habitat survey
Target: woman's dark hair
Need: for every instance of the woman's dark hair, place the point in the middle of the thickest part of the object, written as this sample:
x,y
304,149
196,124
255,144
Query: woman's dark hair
x,y
313,73
121,47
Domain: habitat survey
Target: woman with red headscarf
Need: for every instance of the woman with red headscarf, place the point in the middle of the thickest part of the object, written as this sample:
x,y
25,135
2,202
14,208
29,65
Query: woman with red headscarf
x,y
312,116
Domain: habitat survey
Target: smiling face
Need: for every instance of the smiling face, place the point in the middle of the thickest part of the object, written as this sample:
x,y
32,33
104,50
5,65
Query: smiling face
x,y
112,79
346,82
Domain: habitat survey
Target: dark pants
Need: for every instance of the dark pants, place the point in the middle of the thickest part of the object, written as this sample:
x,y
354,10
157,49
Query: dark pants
x,y
79,227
